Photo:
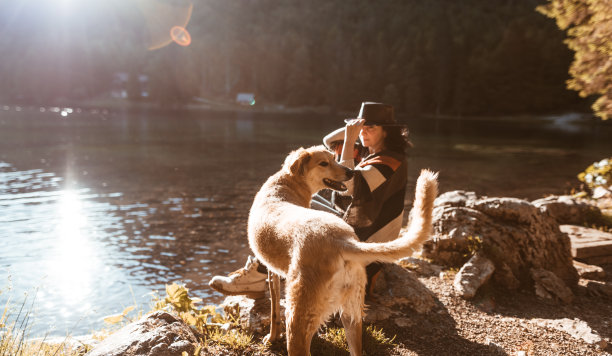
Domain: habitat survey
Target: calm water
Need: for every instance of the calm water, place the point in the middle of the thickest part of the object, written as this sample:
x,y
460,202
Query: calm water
x,y
97,209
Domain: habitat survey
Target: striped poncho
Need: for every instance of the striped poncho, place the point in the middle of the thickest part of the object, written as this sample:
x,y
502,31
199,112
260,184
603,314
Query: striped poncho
x,y
378,189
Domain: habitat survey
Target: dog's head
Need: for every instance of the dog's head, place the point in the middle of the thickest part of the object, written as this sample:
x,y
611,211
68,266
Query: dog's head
x,y
317,166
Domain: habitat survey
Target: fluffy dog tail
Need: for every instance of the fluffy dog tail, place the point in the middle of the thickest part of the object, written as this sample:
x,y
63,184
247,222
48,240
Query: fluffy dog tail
x,y
418,231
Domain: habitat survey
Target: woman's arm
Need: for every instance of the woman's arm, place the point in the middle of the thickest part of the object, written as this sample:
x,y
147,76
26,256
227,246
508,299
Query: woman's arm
x,y
351,134
347,158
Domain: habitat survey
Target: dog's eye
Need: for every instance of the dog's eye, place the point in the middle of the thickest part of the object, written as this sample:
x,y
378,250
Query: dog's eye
x,y
323,164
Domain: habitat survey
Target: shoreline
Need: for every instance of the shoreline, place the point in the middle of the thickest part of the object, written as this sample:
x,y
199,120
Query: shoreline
x,y
112,104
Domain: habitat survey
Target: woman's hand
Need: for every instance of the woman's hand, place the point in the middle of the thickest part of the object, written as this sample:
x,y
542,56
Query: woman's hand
x,y
352,130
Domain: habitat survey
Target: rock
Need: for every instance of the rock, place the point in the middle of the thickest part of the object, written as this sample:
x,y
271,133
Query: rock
x,y
569,210
404,322
398,287
377,312
602,192
503,276
599,288
472,275
590,245
549,286
576,328
456,198
253,314
589,271
420,266
157,334
512,233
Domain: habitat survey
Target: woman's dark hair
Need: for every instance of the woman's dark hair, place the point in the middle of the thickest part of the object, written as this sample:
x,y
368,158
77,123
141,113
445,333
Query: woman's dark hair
x,y
397,139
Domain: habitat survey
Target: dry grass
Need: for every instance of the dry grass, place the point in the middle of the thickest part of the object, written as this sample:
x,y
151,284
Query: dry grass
x,y
15,340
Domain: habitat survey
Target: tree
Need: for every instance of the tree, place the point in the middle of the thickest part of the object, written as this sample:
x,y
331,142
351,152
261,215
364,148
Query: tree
x,y
589,28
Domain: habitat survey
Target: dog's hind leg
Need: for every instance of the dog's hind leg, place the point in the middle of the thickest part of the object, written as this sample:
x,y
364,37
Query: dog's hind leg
x,y
275,319
299,337
352,329
352,307
303,317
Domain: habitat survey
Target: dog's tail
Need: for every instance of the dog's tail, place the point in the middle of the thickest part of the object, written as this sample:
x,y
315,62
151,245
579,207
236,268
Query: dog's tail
x,y
418,231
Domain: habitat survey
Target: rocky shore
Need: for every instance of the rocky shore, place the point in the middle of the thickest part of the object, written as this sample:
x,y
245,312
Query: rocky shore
x,y
499,277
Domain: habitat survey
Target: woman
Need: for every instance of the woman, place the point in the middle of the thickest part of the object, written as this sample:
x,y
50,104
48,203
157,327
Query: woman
x,y
379,185
377,189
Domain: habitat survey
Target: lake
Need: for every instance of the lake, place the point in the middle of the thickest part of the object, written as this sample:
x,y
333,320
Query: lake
x,y
99,208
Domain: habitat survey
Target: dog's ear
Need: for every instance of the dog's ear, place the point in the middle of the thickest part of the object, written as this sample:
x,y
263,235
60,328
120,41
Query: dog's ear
x,y
295,162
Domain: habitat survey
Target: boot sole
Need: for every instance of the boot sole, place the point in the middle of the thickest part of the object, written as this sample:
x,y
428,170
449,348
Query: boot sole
x,y
252,295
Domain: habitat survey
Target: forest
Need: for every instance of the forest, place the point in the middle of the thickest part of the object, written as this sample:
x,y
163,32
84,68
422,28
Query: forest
x,y
442,57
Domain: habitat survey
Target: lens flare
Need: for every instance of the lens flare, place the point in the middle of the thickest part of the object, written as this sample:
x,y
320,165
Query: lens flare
x,y
161,17
180,36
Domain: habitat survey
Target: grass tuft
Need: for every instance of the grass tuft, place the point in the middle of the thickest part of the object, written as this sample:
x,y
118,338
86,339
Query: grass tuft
x,y
332,341
15,338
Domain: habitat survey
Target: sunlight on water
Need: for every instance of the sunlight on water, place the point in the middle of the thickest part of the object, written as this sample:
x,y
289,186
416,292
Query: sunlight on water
x,y
73,260
83,254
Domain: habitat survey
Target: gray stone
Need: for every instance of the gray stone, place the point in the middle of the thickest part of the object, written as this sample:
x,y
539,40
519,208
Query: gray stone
x,y
420,266
599,288
253,314
589,245
589,271
403,322
602,192
569,210
503,276
157,334
376,312
455,198
576,328
472,275
514,234
398,287
549,286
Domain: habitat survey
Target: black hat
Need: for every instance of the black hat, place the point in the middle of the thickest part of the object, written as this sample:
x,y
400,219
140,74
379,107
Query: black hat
x,y
376,114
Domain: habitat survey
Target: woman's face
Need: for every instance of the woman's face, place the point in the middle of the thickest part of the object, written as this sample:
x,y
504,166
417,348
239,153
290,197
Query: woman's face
x,y
373,137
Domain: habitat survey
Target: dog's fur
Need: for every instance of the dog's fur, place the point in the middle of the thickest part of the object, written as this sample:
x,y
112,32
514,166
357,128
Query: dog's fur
x,y
318,253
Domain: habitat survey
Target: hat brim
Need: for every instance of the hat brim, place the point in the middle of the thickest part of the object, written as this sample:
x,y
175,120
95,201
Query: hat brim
x,y
393,124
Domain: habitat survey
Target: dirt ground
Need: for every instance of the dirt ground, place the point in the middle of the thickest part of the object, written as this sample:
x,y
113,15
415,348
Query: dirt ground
x,y
495,322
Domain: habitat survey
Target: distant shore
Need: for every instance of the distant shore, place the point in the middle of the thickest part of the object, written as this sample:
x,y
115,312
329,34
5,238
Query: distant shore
x,y
110,104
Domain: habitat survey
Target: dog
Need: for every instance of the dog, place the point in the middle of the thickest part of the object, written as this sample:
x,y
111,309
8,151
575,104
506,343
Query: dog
x,y
318,253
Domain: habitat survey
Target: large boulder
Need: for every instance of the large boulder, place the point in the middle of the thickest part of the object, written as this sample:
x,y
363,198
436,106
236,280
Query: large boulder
x,y
513,234
157,334
569,210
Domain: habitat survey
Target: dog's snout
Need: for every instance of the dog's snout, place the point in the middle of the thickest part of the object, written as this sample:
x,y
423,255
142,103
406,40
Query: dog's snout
x,y
349,172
